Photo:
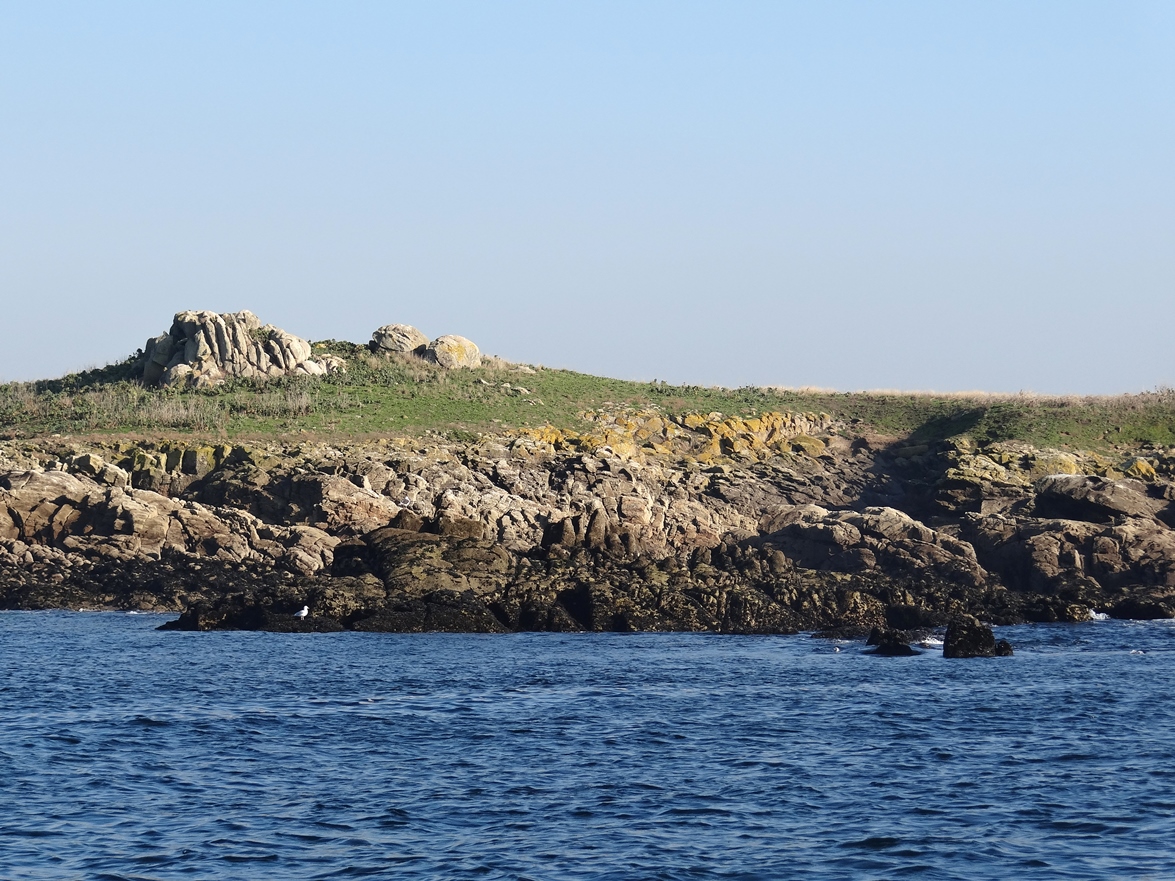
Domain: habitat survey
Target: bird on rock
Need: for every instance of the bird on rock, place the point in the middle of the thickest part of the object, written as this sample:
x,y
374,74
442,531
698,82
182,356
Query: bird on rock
x,y
305,611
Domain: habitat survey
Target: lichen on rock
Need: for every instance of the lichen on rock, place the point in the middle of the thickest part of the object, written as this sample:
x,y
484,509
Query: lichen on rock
x,y
452,352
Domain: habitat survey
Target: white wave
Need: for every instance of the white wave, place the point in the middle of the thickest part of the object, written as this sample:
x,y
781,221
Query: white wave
x,y
1098,616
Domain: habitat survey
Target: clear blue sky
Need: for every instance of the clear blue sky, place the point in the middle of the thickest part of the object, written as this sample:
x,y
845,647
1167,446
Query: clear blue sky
x,y
937,195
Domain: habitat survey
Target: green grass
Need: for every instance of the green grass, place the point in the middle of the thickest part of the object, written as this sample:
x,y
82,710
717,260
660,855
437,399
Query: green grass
x,y
380,397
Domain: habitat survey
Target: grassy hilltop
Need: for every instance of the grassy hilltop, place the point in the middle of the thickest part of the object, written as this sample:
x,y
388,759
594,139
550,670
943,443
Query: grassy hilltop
x,y
381,396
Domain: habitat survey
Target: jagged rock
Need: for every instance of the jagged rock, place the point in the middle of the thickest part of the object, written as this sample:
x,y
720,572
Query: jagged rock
x,y
414,563
338,504
809,446
978,483
205,348
79,516
330,364
907,616
452,352
398,338
967,637
1000,477
1075,556
88,464
876,538
1096,499
440,611
1141,469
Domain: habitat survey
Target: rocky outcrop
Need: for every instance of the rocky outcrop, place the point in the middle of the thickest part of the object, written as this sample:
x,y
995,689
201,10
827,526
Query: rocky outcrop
x,y
1075,558
1094,499
968,638
206,348
400,339
77,519
639,521
1000,477
452,352
876,539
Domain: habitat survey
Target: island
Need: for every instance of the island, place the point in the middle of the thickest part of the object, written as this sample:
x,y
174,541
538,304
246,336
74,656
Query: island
x,y
236,475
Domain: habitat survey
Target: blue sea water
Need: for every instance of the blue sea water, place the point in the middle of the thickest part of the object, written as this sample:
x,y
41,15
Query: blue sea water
x,y
127,753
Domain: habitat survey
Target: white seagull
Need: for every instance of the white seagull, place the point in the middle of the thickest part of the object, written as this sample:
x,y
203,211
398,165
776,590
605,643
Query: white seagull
x,y
305,611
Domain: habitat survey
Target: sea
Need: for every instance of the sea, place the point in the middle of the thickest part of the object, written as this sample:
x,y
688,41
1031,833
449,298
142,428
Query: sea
x,y
130,753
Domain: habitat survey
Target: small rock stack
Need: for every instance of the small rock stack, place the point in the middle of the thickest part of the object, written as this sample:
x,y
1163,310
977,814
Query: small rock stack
x,y
205,348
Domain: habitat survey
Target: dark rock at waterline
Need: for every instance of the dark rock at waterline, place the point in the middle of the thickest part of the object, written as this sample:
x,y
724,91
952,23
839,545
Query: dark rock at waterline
x,y
1051,610
244,611
967,637
441,611
1143,608
890,643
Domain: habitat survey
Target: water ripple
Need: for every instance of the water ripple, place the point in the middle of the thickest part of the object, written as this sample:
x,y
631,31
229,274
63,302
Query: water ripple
x,y
131,754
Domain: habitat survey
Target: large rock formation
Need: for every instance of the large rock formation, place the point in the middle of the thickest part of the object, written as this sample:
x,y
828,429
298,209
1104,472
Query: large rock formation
x,y
205,348
641,521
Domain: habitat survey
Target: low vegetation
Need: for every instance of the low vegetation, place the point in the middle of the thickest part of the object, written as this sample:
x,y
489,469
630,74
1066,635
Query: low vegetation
x,y
379,396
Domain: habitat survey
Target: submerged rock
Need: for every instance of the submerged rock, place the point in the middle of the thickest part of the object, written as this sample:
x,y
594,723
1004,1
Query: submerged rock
x,y
890,643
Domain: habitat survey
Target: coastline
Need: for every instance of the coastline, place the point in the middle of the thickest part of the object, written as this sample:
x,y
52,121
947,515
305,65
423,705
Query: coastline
x,y
779,524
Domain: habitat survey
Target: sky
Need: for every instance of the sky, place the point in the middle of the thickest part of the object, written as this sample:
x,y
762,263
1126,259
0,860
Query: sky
x,y
850,195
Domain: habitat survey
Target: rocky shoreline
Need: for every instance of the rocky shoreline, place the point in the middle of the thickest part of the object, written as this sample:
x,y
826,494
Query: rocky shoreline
x,y
780,523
